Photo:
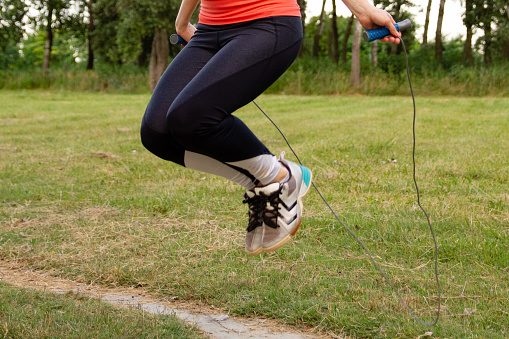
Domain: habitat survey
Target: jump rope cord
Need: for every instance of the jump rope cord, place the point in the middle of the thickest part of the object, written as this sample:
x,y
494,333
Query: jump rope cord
x,y
382,272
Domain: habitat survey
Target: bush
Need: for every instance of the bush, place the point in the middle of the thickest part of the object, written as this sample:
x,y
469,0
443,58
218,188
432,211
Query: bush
x,y
105,79
307,75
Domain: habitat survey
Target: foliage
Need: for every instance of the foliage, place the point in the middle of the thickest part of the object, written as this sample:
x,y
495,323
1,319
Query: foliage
x,y
321,77
63,52
138,20
125,29
107,19
12,13
124,32
59,9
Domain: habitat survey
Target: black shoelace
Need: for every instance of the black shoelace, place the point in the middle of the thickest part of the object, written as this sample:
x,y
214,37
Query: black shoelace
x,y
270,216
256,207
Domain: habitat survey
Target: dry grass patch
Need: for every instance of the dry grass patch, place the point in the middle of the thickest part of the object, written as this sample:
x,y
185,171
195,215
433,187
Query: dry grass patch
x,y
136,220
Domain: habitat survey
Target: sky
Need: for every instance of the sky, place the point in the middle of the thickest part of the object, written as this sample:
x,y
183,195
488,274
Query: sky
x,y
452,25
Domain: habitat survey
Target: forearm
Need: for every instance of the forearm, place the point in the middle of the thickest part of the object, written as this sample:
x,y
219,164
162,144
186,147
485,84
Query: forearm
x,y
358,8
185,13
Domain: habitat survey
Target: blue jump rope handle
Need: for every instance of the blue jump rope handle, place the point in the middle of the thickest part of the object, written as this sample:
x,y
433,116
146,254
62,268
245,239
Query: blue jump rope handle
x,y
176,39
382,32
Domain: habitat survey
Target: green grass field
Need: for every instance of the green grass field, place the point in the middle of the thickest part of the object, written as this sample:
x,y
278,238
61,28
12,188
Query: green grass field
x,y
25,313
81,197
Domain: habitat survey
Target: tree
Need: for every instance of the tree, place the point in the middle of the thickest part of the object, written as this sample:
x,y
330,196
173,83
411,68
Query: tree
x,y
487,11
51,13
504,32
469,21
374,53
159,56
374,45
438,36
319,31
302,4
107,23
334,33
345,38
78,24
90,34
128,31
12,13
145,18
426,24
355,73
492,17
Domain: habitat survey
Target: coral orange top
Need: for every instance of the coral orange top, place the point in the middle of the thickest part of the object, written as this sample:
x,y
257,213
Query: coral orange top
x,y
225,12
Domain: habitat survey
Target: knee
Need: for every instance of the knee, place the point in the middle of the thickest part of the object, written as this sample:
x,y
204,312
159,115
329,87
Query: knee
x,y
162,145
185,123
148,137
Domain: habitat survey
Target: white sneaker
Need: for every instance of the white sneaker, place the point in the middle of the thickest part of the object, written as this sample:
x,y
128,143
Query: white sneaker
x,y
254,233
283,210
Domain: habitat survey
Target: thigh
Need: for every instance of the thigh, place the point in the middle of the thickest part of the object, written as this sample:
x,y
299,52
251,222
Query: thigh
x,y
177,76
251,57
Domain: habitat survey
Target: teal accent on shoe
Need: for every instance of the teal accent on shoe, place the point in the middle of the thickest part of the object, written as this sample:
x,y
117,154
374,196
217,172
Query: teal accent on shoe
x,y
306,175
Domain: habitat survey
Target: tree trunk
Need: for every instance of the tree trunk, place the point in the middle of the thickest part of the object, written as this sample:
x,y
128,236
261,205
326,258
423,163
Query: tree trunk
x,y
146,49
396,15
374,53
469,23
159,56
487,43
355,74
302,5
330,49
467,48
345,39
505,50
438,37
91,27
334,27
426,24
319,31
49,38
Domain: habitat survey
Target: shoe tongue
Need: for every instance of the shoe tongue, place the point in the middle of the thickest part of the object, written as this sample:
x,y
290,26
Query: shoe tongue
x,y
269,189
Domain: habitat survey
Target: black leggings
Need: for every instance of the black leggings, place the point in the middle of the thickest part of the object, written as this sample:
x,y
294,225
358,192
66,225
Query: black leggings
x,y
221,69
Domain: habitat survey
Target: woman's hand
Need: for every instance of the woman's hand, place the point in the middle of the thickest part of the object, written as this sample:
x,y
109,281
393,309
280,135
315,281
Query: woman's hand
x,y
371,17
375,18
182,24
186,32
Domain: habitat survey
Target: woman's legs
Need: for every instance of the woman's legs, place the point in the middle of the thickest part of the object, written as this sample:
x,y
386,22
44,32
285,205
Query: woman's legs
x,y
219,71
155,135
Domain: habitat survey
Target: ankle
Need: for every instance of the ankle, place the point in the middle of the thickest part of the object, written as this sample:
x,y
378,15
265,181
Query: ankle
x,y
282,175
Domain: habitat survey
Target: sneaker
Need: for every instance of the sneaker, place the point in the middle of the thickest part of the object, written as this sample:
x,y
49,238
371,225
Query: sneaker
x,y
283,210
254,233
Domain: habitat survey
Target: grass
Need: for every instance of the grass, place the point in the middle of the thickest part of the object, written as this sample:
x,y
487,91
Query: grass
x,y
307,76
82,198
25,313
318,77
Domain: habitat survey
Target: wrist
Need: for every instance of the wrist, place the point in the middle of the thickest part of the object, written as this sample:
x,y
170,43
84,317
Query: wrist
x,y
180,26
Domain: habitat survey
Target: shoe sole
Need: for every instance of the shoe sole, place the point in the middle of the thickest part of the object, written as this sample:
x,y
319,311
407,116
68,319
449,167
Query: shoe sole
x,y
307,175
258,251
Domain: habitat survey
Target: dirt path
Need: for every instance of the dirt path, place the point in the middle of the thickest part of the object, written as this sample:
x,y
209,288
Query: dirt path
x,y
214,323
